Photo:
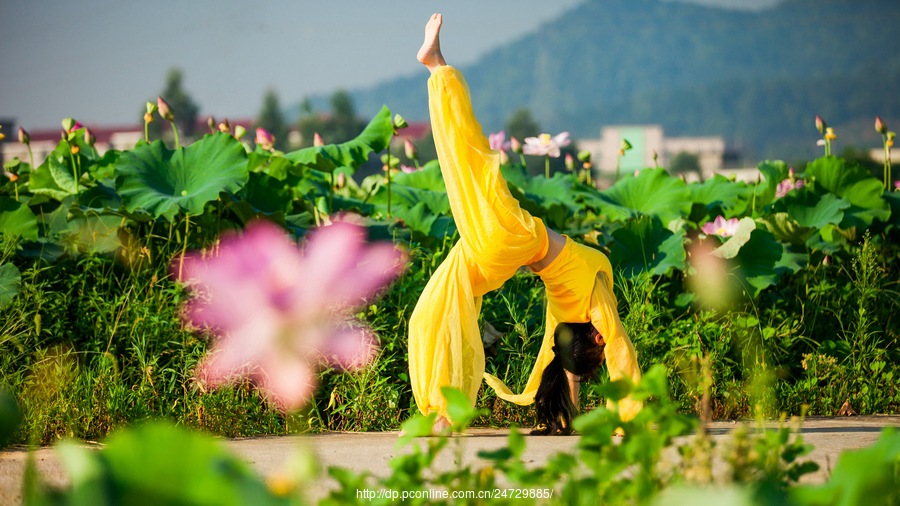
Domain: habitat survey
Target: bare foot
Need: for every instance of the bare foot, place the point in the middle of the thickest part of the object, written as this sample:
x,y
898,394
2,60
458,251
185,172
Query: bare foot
x,y
441,425
430,52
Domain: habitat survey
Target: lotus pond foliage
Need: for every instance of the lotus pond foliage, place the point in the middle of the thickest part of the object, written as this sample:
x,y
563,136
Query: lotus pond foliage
x,y
92,340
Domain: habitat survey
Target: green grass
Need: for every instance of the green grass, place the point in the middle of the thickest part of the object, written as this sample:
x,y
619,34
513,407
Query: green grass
x,y
90,345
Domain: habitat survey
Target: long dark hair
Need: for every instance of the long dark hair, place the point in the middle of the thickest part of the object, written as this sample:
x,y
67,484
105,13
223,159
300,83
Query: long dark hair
x,y
577,351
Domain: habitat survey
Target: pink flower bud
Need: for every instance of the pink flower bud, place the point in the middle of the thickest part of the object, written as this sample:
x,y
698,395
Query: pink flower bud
x,y
264,139
317,140
164,111
880,127
411,152
341,180
820,124
24,138
211,123
504,158
570,162
515,145
89,137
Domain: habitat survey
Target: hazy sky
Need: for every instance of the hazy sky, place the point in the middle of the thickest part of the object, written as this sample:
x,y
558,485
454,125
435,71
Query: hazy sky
x,y
99,60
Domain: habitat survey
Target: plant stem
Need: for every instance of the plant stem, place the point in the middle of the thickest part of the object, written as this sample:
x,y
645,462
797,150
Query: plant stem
x,y
74,168
617,168
547,166
187,225
331,193
175,129
146,133
388,164
31,157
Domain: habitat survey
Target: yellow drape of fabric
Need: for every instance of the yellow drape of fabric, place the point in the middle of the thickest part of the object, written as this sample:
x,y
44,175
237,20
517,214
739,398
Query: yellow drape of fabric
x,y
579,290
496,238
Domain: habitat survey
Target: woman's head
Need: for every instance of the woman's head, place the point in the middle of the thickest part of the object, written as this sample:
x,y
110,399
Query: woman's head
x,y
578,349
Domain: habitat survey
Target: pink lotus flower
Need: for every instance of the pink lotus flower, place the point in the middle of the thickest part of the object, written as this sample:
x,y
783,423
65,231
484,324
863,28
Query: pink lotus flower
x,y
546,145
498,141
721,227
786,186
408,169
279,312
165,112
264,139
897,185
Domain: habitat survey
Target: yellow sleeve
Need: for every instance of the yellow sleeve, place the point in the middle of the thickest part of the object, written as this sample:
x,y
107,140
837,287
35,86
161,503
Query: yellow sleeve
x,y
621,359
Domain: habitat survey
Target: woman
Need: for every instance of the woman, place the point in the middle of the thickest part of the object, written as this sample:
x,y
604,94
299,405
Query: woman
x,y
497,237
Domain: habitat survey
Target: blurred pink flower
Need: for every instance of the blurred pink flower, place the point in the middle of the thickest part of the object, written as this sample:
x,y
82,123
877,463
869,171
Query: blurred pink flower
x,y
897,185
786,186
408,169
820,142
280,311
546,145
498,141
721,227
264,139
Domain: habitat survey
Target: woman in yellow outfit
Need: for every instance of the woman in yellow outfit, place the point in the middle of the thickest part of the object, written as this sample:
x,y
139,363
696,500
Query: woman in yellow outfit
x,y
497,237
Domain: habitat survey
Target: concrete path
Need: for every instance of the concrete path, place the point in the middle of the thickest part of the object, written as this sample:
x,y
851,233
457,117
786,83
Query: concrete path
x,y
371,451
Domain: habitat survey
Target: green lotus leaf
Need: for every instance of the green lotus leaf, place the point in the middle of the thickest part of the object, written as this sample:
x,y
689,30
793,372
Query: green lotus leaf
x,y
17,220
893,200
104,168
792,260
10,280
653,193
100,199
405,196
164,182
96,234
552,213
856,184
720,196
784,228
797,217
559,189
266,194
758,260
644,245
429,178
733,245
375,137
53,179
774,171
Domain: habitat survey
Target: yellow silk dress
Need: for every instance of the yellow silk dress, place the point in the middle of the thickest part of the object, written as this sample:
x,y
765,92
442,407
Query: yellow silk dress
x,y
496,237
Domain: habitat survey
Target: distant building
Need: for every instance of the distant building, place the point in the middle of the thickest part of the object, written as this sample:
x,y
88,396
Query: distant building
x,y
647,140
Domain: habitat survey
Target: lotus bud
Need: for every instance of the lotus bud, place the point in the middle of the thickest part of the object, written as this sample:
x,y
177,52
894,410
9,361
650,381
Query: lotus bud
x,y
570,162
341,180
655,156
411,152
211,123
820,124
68,124
625,146
151,108
24,138
880,127
89,137
514,145
239,132
399,122
584,156
164,111
826,261
225,126
263,138
504,158
317,140
148,118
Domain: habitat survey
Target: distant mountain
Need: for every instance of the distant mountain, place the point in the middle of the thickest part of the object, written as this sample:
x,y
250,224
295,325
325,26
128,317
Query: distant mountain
x,y
757,78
